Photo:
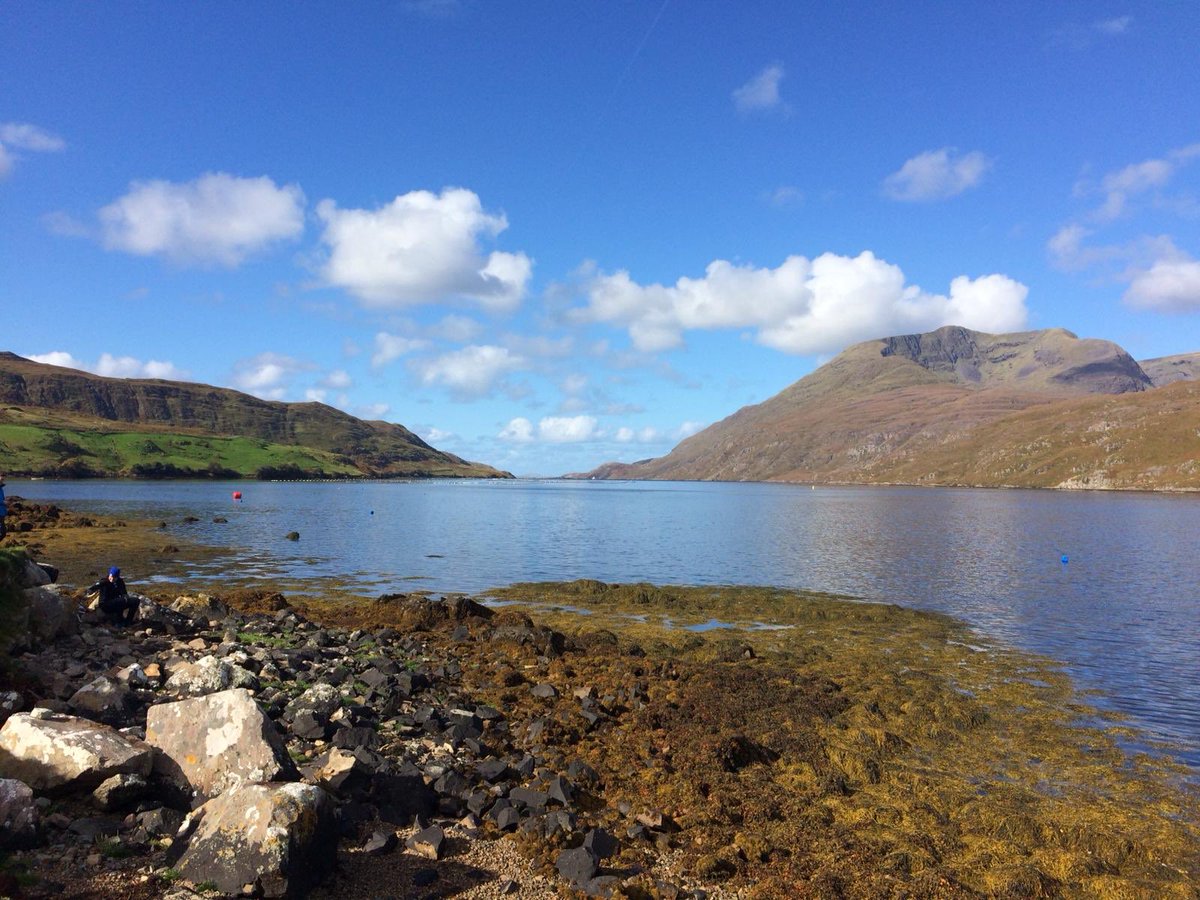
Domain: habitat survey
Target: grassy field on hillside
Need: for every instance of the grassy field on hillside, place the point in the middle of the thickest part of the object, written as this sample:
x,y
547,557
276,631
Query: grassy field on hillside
x,y
35,450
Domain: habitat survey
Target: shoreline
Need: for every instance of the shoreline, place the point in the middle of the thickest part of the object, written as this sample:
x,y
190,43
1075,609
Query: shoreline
x,y
865,745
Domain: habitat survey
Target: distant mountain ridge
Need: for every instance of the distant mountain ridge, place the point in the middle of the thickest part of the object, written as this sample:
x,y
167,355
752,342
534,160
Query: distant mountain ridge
x,y
956,406
58,397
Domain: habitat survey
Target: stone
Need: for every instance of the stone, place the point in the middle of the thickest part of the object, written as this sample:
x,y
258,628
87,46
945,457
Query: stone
x,y
105,700
381,842
544,691
321,700
601,843
10,702
120,792
201,607
18,815
161,822
220,741
278,839
51,612
578,866
58,753
427,842
209,675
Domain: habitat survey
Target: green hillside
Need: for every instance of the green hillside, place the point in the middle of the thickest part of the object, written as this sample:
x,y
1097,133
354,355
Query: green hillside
x,y
59,422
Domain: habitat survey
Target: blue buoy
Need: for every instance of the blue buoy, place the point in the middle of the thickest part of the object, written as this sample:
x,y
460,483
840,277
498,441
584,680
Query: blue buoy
x,y
1064,559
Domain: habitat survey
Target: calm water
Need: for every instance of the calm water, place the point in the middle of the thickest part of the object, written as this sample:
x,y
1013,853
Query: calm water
x,y
1123,614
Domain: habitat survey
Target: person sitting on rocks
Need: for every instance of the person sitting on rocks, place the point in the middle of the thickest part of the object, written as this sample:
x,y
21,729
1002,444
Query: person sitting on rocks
x,y
115,602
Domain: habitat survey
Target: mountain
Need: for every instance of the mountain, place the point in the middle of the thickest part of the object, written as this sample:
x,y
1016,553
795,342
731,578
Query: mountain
x,y
954,406
1168,369
55,420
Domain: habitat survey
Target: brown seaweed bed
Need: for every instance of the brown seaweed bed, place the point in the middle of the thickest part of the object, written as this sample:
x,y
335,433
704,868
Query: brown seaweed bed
x,y
863,750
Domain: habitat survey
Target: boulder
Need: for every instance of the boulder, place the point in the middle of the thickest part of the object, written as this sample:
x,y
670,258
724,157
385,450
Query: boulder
x,y
34,575
201,606
220,741
58,753
278,839
105,700
320,700
18,815
209,675
52,613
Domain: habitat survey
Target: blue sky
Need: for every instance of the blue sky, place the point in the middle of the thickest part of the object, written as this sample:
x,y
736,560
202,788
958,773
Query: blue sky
x,y
545,235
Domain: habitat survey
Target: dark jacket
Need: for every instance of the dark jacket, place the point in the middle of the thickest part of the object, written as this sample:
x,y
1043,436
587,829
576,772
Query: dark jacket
x,y
112,593
3,505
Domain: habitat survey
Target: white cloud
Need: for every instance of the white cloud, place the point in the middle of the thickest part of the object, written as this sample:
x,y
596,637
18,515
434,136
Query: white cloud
x,y
567,429
315,395
338,380
471,371
267,375
436,435
114,366
1169,285
646,435
421,248
459,329
784,195
389,347
936,175
58,358
373,411
761,91
1121,186
803,306
687,429
218,218
1118,25
23,136
517,431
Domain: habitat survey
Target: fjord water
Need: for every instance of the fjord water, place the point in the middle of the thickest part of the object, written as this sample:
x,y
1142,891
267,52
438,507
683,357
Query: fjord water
x,y
1122,614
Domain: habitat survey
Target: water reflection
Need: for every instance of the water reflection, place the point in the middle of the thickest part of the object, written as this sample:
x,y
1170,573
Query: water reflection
x,y
1123,615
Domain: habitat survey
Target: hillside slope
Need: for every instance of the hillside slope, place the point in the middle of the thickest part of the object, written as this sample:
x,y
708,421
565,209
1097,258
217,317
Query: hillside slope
x,y
1035,409
82,423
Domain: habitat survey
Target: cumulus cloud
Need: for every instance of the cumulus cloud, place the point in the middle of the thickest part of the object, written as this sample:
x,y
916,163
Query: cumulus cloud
x,y
389,347
218,218
459,329
420,248
761,92
517,431
267,375
803,306
1169,285
936,175
113,366
471,371
17,136
551,430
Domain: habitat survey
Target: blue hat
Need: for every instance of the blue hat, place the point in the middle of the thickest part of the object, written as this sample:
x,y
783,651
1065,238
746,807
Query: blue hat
x,y
114,571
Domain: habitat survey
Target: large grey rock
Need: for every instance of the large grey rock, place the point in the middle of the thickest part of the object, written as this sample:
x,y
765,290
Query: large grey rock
x,y
209,675
278,838
105,700
34,575
52,613
201,606
52,752
18,815
220,741
322,700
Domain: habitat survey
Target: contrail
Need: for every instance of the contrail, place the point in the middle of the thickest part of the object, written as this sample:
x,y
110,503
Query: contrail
x,y
620,81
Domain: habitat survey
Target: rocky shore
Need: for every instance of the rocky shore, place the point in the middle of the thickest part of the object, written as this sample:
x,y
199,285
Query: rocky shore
x,y
257,744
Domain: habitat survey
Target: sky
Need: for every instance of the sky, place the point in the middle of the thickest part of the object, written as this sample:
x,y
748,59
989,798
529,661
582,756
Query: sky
x,y
549,234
